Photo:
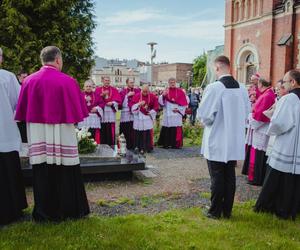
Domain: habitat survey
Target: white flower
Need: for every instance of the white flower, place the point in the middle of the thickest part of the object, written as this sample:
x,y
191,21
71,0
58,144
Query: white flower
x,y
95,143
89,134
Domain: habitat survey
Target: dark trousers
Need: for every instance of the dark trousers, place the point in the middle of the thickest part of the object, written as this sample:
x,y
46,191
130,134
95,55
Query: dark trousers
x,y
222,187
193,115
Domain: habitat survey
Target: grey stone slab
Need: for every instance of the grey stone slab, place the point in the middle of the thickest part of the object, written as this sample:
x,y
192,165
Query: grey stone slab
x,y
144,174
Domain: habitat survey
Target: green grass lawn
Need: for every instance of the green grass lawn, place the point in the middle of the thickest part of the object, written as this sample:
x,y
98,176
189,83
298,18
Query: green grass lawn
x,y
178,229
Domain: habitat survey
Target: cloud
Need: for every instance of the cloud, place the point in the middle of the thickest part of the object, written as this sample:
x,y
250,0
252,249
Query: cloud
x,y
132,16
202,29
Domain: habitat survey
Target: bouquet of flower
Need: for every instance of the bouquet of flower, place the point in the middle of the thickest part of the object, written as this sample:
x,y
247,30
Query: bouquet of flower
x,y
86,145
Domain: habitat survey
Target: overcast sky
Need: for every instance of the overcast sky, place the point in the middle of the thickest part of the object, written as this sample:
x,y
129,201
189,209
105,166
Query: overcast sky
x,y
182,28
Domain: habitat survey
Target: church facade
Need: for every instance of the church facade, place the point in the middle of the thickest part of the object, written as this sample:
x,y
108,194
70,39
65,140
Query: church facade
x,y
262,36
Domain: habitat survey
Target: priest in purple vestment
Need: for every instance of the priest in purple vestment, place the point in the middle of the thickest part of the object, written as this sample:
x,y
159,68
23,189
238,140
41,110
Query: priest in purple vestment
x,y
112,101
126,121
174,103
144,107
50,103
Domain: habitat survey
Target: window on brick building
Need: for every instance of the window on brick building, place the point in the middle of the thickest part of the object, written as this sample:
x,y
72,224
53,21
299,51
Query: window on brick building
x,y
247,9
237,11
255,10
242,10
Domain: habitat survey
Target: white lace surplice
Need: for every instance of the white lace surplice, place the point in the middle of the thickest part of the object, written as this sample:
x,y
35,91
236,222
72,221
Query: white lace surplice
x,y
52,144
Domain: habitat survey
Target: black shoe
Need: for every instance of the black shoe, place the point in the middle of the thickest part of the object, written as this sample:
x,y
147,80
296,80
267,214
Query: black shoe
x,y
210,215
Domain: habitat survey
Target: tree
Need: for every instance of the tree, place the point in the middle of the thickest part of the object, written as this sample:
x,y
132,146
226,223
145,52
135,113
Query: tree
x,y
199,69
29,25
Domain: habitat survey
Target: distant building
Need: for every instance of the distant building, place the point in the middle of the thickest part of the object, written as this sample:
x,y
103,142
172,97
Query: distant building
x,y
262,36
118,71
145,73
139,72
162,72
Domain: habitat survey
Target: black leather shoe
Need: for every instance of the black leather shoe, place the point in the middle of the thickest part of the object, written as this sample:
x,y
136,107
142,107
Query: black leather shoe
x,y
210,215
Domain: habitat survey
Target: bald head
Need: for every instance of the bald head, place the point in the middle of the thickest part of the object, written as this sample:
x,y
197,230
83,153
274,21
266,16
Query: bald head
x,y
145,89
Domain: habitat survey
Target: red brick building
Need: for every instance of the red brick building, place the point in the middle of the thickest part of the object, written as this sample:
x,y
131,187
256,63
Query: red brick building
x,y
262,36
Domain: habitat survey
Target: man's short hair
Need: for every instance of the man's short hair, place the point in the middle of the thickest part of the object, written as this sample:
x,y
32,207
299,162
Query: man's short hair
x,y
264,82
172,79
295,75
49,54
223,60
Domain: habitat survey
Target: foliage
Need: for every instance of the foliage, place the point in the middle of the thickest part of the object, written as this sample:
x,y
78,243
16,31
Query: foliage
x,y
192,135
199,69
29,25
184,85
178,229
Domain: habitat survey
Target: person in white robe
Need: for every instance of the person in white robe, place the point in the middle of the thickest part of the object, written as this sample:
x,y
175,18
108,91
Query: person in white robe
x,y
12,190
223,112
280,194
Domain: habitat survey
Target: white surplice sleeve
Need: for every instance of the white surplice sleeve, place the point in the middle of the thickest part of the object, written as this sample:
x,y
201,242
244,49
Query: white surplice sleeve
x,y
135,109
210,104
283,119
125,102
246,100
161,100
115,105
100,111
152,114
13,91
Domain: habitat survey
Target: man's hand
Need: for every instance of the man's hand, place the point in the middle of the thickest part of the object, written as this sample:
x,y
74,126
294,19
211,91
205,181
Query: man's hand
x,y
109,104
131,93
176,110
94,110
142,103
104,93
165,93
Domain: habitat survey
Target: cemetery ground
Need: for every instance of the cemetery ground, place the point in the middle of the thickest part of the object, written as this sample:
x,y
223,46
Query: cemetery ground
x,y
162,212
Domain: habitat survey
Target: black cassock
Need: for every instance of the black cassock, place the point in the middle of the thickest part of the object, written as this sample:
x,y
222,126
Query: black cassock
x,y
12,190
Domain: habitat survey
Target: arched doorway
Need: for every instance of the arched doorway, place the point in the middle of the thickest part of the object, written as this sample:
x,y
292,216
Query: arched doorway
x,y
247,63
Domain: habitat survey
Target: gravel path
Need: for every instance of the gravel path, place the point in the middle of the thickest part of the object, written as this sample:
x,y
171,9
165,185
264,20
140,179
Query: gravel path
x,y
175,170
182,181
163,202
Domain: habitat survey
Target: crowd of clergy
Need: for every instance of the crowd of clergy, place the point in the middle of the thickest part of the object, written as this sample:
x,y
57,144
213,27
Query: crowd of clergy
x,y
48,106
